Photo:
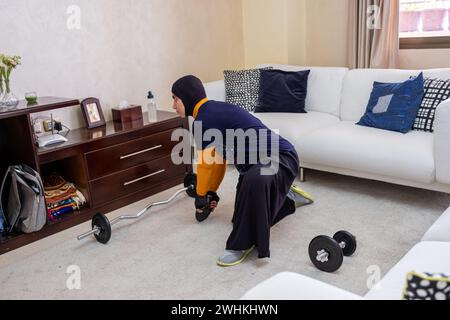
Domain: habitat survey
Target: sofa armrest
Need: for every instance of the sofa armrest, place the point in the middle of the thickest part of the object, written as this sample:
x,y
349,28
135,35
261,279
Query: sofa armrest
x,y
442,142
292,286
440,230
215,90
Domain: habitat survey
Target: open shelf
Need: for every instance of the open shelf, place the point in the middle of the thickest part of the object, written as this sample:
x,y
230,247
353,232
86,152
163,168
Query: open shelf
x,y
72,170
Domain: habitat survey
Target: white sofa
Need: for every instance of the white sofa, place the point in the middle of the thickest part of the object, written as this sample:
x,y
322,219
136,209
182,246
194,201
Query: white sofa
x,y
429,255
327,138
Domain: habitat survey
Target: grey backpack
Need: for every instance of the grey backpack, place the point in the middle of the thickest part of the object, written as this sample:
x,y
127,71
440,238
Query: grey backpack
x,y
22,200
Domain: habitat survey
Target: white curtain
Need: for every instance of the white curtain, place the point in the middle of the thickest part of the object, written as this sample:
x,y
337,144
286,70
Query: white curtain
x,y
373,34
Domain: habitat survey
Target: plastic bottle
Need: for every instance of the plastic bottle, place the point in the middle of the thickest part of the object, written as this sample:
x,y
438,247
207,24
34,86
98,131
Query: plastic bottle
x,y
151,108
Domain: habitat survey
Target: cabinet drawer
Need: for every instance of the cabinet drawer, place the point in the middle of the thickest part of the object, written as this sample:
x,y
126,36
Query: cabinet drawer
x,y
127,155
133,180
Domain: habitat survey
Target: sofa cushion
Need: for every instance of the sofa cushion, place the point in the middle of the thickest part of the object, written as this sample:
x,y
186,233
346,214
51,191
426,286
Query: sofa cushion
x,y
358,86
282,91
368,150
216,90
440,230
394,106
424,257
436,91
324,87
296,126
441,139
292,286
242,87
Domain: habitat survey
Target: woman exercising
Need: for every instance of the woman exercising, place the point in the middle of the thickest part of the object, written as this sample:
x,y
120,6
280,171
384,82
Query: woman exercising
x,y
264,195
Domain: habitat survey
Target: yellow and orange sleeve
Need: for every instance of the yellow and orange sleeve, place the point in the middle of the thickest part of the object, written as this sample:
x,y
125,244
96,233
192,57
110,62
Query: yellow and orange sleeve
x,y
211,168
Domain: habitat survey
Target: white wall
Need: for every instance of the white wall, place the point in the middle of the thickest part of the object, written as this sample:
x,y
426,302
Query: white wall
x,y
302,32
123,49
297,32
425,59
265,31
326,29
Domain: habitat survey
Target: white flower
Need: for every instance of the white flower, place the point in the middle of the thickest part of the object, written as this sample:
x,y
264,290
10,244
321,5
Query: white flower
x,y
11,62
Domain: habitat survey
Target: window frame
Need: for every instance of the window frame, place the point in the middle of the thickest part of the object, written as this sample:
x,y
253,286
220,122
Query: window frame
x,y
425,43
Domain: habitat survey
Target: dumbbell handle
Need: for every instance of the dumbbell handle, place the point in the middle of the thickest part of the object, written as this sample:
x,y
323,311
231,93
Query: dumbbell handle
x,y
323,255
96,230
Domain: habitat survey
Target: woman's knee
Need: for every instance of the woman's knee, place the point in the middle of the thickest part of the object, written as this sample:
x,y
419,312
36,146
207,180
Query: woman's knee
x,y
255,179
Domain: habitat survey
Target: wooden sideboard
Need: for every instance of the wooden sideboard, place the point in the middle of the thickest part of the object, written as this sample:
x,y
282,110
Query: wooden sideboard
x,y
113,166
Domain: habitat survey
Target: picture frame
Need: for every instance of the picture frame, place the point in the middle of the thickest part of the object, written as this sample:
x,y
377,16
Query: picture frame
x,y
92,113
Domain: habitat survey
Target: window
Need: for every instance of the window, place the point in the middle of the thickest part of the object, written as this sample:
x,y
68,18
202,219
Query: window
x,y
424,24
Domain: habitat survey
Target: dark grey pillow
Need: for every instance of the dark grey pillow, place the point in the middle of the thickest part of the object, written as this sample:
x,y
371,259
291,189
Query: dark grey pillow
x,y
242,87
436,91
283,91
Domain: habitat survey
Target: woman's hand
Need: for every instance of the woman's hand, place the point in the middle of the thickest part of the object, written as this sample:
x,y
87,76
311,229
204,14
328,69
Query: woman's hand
x,y
214,199
206,205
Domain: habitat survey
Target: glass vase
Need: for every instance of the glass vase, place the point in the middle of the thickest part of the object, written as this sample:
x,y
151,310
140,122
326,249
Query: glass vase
x,y
2,92
9,99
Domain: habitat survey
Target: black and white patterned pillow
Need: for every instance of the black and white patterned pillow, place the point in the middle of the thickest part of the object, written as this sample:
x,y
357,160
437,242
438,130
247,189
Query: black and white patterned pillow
x,y
242,87
436,91
427,286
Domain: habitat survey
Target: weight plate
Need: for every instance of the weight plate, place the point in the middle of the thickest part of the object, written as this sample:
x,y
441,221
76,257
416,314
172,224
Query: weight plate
x,y
329,245
189,181
101,221
350,242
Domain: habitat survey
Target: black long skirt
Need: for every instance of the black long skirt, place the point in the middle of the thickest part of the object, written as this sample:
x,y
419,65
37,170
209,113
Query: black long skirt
x,y
261,202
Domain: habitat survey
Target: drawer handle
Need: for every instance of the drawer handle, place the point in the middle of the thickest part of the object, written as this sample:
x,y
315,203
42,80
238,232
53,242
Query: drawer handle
x,y
143,178
140,152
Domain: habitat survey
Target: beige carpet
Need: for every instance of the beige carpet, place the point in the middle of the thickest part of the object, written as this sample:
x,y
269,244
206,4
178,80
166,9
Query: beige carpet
x,y
167,255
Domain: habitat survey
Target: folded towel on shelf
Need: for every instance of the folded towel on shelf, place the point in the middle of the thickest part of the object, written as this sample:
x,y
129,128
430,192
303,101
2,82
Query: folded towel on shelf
x,y
62,197
55,213
61,194
78,197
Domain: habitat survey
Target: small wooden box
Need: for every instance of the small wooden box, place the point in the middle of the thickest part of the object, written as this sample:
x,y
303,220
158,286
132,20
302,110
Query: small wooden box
x,y
132,113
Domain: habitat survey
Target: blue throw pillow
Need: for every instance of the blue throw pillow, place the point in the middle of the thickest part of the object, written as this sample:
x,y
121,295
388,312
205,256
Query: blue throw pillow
x,y
282,91
394,106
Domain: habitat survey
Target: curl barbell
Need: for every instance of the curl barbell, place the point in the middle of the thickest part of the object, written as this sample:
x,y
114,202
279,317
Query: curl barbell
x,y
102,227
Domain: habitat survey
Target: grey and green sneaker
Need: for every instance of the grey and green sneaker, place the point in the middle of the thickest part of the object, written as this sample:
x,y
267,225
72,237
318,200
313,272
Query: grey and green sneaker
x,y
299,196
232,258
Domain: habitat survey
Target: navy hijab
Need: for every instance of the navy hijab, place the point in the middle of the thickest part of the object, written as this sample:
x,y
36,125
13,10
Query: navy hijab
x,y
191,91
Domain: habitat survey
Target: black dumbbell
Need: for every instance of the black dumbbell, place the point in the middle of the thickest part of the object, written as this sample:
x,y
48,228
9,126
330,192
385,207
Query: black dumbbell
x,y
327,254
190,182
